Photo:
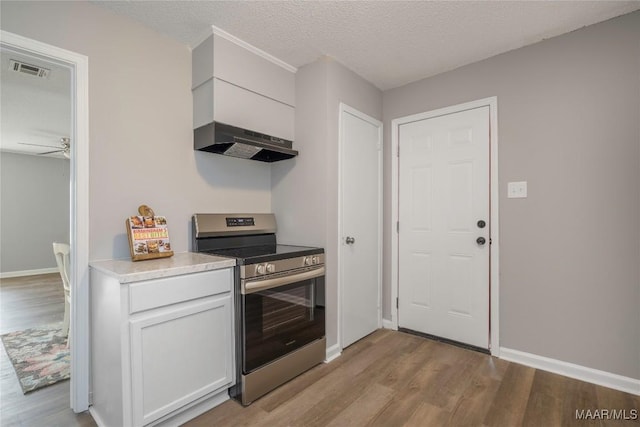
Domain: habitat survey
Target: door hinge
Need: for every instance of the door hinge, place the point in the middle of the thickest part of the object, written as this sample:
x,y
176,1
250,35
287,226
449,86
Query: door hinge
x,y
398,152
397,303
397,226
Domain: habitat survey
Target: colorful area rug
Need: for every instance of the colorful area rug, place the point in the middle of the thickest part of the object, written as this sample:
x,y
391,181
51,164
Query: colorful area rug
x,y
39,356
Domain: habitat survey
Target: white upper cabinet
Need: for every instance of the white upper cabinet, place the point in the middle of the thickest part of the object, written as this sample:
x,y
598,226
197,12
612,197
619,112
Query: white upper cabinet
x,y
239,87
226,60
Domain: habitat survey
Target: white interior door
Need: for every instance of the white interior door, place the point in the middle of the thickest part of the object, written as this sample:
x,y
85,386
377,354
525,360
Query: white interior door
x,y
443,283
361,224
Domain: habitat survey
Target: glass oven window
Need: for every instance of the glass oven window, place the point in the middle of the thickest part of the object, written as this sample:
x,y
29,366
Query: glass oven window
x,y
280,320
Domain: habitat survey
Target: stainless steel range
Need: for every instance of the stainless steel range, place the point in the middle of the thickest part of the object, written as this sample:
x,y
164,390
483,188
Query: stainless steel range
x,y
279,300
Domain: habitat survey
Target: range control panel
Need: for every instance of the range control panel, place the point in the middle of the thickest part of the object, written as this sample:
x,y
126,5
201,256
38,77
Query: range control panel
x,y
281,266
240,222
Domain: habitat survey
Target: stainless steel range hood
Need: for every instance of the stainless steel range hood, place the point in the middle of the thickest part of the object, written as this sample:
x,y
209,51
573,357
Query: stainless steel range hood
x,y
229,140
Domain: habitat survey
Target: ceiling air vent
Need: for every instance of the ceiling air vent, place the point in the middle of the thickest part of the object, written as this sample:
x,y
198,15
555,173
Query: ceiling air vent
x,y
33,70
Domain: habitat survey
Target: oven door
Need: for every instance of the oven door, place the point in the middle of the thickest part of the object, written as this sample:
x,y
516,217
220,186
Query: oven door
x,y
281,314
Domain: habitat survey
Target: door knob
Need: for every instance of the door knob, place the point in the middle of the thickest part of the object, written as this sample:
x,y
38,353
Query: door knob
x,y
481,224
481,241
350,240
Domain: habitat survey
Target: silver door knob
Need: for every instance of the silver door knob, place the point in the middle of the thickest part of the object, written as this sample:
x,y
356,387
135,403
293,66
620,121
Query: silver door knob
x,y
350,240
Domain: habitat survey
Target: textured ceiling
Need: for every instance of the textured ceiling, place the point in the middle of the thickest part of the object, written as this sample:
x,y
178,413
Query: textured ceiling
x,y
389,43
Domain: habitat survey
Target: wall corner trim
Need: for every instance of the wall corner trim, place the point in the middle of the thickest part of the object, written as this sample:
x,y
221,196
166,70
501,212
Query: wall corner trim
x,y
333,353
571,370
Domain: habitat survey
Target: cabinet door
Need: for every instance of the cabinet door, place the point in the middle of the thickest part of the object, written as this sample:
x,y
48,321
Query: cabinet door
x,y
244,68
242,108
217,100
179,354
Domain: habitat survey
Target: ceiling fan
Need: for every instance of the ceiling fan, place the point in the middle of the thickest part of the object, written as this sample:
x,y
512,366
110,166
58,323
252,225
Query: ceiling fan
x,y
64,147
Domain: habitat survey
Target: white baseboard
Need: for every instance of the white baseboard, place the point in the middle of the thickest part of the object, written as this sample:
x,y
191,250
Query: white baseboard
x,y
333,352
96,417
10,274
388,324
192,411
603,378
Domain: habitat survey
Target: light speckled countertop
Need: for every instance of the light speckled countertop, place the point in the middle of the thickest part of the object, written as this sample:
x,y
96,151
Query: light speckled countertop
x,y
127,271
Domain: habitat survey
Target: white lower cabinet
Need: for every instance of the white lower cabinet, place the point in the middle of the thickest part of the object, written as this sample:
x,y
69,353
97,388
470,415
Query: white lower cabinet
x,y
176,357
162,349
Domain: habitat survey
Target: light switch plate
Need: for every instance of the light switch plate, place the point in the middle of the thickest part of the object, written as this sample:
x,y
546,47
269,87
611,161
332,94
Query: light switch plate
x,y
517,190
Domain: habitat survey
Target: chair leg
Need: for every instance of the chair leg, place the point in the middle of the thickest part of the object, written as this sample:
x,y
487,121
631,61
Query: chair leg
x,y
69,337
65,321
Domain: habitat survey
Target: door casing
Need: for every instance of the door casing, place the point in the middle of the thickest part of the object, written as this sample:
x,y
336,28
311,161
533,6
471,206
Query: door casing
x,y
492,103
343,108
79,209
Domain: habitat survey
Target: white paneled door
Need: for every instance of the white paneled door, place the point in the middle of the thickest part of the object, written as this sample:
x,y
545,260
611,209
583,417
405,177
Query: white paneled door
x,y
444,226
360,224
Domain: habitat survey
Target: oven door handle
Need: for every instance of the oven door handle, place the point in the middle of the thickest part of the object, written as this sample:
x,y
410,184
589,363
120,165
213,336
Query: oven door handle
x,y
251,286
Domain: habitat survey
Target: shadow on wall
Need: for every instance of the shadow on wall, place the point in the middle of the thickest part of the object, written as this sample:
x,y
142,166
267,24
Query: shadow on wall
x,y
233,173
282,169
120,244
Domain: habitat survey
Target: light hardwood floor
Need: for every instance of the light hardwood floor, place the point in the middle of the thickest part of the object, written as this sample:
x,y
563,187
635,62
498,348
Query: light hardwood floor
x,y
396,379
27,302
386,379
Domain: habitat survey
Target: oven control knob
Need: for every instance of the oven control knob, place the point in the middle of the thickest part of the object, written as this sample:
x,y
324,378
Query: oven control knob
x,y
308,260
316,260
271,268
260,269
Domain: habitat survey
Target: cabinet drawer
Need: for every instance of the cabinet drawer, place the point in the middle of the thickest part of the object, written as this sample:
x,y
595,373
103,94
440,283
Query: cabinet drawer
x,y
171,290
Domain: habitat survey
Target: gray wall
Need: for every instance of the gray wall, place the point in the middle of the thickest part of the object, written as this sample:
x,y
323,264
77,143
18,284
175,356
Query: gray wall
x,y
568,120
139,125
305,191
34,207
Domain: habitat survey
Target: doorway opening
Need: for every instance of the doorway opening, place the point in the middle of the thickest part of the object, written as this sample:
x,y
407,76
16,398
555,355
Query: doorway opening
x,y
79,204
